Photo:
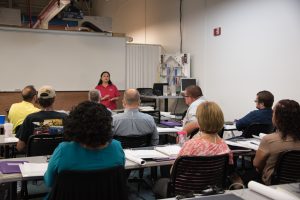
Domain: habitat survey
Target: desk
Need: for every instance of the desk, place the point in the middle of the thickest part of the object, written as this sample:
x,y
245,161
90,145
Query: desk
x,y
4,178
7,144
158,98
248,194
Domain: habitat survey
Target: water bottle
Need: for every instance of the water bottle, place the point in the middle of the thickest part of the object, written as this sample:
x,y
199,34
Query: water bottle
x,y
181,137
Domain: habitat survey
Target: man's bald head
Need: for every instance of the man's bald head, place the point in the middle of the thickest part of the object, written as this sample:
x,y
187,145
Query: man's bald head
x,y
28,93
131,98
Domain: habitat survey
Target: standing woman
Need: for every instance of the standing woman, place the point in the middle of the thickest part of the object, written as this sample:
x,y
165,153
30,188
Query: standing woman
x,y
109,92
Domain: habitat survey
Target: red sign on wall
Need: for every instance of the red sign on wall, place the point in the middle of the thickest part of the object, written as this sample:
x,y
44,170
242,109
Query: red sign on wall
x,y
217,31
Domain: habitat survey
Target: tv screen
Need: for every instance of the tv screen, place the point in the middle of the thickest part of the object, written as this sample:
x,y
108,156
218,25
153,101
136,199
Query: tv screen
x,y
185,82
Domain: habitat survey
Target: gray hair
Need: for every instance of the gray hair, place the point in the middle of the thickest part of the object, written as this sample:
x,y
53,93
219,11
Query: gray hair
x,y
94,95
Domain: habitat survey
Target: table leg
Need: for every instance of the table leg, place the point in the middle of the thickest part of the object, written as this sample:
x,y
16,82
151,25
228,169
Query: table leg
x,y
166,105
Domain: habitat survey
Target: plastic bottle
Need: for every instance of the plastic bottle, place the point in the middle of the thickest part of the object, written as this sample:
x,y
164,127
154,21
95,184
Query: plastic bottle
x,y
181,137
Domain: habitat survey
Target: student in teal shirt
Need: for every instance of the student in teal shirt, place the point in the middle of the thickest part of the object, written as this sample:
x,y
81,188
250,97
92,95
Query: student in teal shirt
x,y
91,147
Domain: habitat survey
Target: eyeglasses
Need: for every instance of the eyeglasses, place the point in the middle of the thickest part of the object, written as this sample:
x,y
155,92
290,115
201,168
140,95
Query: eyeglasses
x,y
185,96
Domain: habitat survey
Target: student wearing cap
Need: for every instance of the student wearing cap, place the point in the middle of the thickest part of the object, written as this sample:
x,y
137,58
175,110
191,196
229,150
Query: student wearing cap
x,y
19,111
45,118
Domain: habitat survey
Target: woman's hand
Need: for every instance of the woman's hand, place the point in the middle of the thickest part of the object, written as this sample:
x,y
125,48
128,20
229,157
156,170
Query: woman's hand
x,y
114,99
105,97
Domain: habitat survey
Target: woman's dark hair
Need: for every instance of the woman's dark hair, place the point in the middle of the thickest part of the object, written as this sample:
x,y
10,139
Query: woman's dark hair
x,y
100,81
89,123
286,118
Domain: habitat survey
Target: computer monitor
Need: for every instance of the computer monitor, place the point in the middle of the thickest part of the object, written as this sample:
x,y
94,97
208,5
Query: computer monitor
x,y
158,88
185,82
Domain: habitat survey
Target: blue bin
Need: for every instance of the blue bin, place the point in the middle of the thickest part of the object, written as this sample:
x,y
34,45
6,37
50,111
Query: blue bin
x,y
2,119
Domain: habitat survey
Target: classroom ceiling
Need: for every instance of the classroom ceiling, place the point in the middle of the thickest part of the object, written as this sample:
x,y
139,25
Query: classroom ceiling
x,y
36,6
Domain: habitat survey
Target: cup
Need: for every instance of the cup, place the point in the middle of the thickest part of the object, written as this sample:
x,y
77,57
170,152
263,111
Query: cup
x,y
2,119
8,127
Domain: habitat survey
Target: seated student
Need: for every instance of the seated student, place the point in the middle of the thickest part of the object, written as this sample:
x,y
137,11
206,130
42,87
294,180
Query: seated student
x,y
91,147
206,143
94,96
286,118
264,102
193,97
133,122
19,111
43,119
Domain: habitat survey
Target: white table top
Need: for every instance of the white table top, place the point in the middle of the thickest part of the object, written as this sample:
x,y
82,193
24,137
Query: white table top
x,y
8,140
43,159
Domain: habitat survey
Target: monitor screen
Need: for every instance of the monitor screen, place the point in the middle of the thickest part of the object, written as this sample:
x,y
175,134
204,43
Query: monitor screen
x,y
185,82
158,88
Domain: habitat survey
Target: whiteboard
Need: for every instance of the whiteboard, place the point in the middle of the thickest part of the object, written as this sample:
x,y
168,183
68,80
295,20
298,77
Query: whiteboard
x,y
69,61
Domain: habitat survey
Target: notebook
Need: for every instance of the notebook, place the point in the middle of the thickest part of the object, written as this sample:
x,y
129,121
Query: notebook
x,y
171,123
10,167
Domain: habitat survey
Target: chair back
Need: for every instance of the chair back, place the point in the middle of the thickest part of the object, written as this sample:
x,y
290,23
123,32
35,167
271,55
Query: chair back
x,y
154,113
43,144
105,184
134,141
196,173
287,169
256,129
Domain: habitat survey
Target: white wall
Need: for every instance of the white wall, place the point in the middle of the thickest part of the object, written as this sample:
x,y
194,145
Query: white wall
x,y
257,49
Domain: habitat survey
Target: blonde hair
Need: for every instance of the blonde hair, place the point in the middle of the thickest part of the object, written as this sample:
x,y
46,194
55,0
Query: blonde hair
x,y
210,117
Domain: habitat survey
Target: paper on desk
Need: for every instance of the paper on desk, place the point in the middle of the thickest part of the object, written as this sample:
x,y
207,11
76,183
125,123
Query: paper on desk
x,y
167,114
179,128
133,158
11,139
33,169
170,150
250,144
229,127
270,192
166,130
146,108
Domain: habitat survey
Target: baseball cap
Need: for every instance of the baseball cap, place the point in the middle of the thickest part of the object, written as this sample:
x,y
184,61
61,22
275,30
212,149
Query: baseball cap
x,y
46,92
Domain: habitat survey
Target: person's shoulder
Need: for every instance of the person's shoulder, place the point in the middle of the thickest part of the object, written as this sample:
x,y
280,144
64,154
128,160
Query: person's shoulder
x,y
33,115
116,143
270,138
59,114
118,116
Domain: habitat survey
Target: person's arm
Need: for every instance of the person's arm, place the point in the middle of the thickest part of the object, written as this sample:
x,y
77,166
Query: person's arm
x,y
23,134
155,135
190,127
21,146
116,94
52,170
261,156
114,99
244,122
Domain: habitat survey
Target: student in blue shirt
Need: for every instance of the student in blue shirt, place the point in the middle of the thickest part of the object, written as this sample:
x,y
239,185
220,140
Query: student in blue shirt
x,y
91,147
263,115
